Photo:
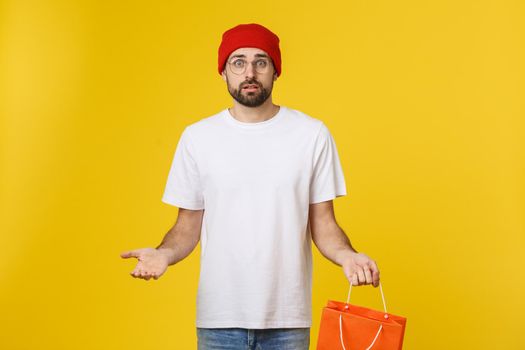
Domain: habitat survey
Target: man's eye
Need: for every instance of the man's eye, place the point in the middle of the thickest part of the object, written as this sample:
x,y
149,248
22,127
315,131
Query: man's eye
x,y
238,63
262,63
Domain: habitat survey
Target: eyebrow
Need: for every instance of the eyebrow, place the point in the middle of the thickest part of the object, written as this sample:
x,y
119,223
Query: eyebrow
x,y
256,55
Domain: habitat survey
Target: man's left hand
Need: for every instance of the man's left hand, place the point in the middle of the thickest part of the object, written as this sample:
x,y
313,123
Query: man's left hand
x,y
360,269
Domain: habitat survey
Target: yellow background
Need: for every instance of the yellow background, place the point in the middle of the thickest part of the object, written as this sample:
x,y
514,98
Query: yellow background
x,y
425,100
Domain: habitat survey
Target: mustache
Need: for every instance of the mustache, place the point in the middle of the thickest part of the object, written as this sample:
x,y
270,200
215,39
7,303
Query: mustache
x,y
250,82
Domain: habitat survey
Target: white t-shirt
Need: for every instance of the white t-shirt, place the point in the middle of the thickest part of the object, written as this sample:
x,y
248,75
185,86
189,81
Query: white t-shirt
x,y
255,182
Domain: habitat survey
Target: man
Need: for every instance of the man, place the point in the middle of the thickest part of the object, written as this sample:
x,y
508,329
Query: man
x,y
255,183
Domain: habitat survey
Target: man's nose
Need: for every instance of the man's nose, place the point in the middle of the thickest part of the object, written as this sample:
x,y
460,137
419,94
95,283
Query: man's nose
x,y
250,70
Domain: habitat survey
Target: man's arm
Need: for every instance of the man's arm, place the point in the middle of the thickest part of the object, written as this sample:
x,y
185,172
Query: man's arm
x,y
334,244
183,237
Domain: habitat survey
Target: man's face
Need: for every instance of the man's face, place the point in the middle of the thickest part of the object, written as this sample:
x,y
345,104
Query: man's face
x,y
251,88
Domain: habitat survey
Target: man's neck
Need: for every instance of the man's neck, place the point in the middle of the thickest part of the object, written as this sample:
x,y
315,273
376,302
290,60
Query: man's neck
x,y
254,114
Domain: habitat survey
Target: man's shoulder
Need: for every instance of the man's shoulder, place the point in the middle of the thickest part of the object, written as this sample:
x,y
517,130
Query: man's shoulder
x,y
215,122
305,119
205,123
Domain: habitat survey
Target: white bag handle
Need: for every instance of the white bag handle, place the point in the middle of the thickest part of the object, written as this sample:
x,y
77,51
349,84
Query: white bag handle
x,y
346,307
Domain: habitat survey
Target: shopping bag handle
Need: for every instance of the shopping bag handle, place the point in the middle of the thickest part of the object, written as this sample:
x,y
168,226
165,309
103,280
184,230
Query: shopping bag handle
x,y
380,288
341,334
346,307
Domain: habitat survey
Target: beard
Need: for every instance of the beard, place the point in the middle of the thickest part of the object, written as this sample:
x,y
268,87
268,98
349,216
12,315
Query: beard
x,y
250,99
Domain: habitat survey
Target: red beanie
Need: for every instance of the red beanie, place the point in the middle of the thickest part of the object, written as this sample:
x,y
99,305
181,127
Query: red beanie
x,y
250,35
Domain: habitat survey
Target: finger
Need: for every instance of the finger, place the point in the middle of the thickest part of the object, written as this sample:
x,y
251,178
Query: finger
x,y
129,254
349,278
375,273
361,275
368,275
355,281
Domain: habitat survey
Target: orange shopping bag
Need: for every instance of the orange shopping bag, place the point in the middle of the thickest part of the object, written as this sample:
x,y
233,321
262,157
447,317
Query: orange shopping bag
x,y
351,327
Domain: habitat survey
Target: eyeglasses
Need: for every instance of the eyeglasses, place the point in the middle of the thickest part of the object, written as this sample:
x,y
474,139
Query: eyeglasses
x,y
238,65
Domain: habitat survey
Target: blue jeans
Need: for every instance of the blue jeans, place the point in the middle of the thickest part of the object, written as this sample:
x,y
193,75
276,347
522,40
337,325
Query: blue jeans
x,y
253,339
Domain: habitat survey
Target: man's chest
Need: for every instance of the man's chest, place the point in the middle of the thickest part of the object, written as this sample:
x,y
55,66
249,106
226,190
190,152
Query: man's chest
x,y
257,163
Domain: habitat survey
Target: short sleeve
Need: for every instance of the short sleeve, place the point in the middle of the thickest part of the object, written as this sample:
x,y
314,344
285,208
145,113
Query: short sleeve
x,y
183,188
327,181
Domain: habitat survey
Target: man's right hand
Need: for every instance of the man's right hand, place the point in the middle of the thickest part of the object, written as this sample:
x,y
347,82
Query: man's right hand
x,y
151,262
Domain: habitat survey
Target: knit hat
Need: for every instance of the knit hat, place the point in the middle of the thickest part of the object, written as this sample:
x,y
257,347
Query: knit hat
x,y
250,35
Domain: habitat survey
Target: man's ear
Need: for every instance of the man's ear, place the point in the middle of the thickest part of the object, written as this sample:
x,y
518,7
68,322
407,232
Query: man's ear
x,y
223,74
274,76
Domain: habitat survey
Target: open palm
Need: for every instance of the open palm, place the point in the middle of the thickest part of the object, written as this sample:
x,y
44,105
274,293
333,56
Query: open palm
x,y
152,263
